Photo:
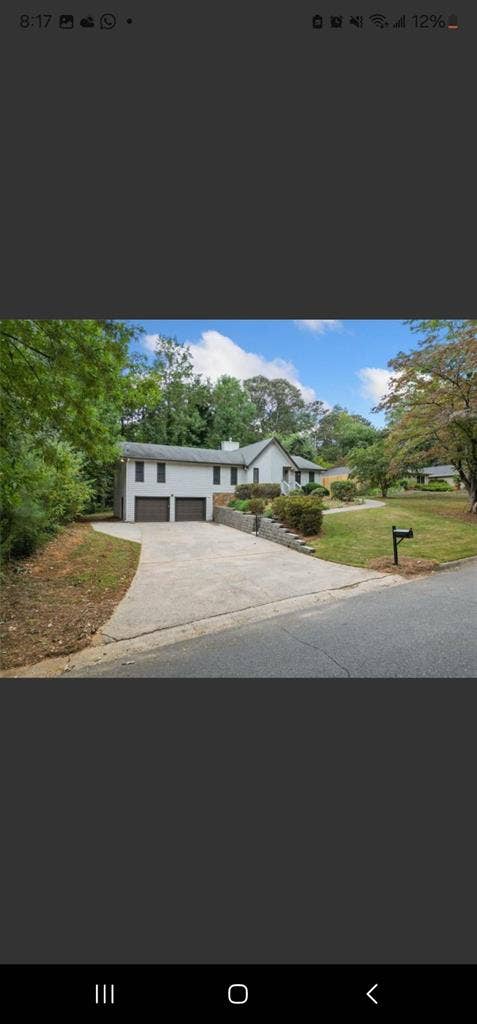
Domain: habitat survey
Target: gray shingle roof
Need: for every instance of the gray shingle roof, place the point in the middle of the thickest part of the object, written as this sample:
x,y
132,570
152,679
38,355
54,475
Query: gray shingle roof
x,y
439,470
178,453
305,463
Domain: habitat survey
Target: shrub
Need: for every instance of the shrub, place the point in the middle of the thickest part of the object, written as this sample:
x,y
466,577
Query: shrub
x,y
343,490
436,485
301,512
43,486
318,489
243,506
256,506
311,519
278,506
257,490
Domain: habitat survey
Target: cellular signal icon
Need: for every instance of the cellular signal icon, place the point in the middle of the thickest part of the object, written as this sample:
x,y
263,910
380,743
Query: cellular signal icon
x,y
401,22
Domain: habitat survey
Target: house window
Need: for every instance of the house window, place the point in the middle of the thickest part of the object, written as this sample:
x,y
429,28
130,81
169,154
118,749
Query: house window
x,y
298,477
256,476
311,477
420,478
216,474
140,472
233,475
161,472
285,473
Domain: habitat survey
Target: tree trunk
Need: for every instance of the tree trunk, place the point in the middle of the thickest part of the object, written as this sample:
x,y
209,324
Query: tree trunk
x,y
472,489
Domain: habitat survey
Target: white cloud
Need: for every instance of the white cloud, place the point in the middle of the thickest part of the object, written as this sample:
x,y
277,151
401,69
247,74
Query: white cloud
x,y
216,354
374,382
319,326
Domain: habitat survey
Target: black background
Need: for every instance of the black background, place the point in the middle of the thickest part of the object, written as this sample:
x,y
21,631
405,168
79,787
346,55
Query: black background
x,y
226,160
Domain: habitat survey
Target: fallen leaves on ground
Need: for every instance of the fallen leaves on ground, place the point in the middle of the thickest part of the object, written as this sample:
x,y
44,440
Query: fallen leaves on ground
x,y
55,601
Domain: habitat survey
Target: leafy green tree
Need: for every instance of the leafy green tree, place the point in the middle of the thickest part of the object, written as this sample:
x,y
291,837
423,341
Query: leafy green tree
x,y
182,415
338,432
376,464
231,413
43,485
65,376
61,394
280,407
299,444
141,395
435,389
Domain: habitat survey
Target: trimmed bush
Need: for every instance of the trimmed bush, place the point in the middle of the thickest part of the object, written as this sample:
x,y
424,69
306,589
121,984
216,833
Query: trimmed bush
x,y
437,485
311,520
256,506
302,512
318,489
343,490
257,490
278,506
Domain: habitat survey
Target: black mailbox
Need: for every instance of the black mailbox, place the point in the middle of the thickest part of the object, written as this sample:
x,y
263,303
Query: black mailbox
x,y
399,534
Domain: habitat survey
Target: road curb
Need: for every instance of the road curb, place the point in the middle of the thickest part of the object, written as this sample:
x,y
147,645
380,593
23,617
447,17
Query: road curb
x,y
443,566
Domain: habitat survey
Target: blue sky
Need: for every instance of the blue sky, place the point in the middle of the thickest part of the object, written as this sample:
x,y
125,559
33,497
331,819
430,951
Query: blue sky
x,y
339,361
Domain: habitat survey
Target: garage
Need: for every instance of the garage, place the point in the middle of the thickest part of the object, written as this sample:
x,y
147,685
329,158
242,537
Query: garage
x,y
190,510
152,510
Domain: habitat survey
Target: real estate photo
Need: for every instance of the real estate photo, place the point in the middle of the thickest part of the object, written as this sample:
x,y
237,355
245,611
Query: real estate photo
x,y
239,498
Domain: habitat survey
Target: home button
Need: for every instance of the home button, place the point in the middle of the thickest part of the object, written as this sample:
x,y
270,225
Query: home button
x,y
238,994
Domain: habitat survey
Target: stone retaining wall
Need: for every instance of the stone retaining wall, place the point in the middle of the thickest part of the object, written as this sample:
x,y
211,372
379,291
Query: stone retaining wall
x,y
269,529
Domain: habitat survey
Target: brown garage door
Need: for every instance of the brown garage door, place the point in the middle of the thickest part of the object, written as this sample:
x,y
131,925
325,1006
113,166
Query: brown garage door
x,y
190,509
152,510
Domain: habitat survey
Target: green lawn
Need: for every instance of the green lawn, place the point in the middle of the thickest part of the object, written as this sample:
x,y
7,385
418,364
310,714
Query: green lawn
x,y
443,531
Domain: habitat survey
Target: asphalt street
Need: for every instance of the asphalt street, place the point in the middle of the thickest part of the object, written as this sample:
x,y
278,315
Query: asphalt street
x,y
425,628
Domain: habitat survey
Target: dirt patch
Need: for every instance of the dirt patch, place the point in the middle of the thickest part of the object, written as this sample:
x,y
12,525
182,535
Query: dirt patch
x,y
54,602
407,566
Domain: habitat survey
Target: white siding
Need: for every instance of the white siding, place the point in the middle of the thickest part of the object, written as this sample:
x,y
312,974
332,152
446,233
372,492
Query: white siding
x,y
183,480
270,465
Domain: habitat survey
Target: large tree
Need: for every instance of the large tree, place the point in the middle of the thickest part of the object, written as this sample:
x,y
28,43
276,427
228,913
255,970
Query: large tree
x,y
338,432
232,413
141,395
61,384
182,414
64,377
435,388
280,407
376,464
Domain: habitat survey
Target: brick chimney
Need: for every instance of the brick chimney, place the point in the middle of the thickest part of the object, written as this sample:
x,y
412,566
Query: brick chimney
x,y
229,446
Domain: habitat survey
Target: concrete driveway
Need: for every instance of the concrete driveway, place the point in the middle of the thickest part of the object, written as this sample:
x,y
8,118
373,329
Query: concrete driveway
x,y
194,571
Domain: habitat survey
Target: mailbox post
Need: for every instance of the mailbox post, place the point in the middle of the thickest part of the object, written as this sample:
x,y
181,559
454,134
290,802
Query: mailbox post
x,y
398,536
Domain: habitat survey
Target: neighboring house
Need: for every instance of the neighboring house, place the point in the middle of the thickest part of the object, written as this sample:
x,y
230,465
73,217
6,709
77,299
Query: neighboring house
x,y
434,474
167,483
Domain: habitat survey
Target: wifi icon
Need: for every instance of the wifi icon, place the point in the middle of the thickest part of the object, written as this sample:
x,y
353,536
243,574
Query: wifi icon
x,y
379,20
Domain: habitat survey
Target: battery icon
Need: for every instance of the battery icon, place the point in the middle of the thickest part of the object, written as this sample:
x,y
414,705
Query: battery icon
x,y
452,21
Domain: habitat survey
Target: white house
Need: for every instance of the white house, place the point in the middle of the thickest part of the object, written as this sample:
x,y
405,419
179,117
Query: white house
x,y
167,483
